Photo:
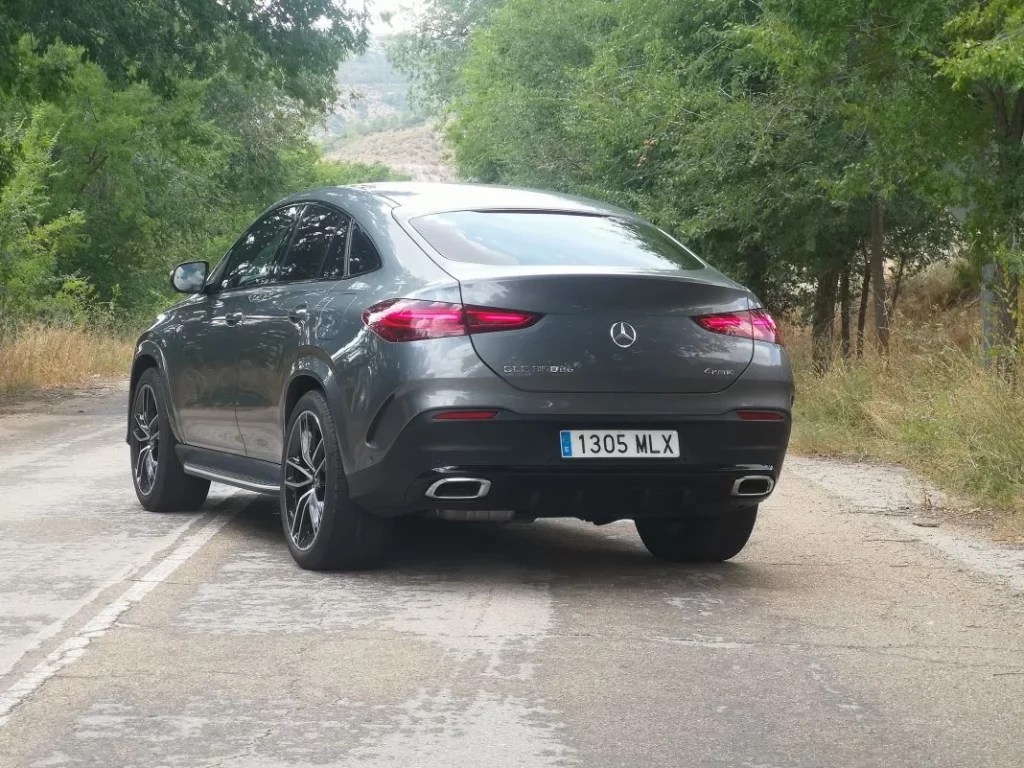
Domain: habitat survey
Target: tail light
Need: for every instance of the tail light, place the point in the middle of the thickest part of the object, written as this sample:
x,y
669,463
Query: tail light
x,y
755,324
413,320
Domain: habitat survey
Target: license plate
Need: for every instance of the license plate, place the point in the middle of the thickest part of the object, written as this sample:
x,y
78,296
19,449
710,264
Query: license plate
x,y
619,443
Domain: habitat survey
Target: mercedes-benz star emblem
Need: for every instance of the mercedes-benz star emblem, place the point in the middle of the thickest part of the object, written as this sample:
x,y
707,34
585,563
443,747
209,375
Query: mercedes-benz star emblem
x,y
624,335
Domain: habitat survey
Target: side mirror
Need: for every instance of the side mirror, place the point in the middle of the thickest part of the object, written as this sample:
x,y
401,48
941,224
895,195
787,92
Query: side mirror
x,y
190,277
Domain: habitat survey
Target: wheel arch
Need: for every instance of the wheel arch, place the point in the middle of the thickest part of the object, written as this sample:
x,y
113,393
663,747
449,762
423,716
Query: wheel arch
x,y
311,373
301,383
148,354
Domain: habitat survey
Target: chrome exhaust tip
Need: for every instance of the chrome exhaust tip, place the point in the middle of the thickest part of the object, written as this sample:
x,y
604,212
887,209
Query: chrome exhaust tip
x,y
753,486
459,489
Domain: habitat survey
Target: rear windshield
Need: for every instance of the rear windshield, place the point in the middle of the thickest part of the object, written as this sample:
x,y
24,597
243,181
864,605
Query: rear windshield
x,y
531,238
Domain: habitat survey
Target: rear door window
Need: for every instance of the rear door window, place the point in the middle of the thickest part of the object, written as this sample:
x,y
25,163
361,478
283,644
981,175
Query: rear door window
x,y
545,238
313,240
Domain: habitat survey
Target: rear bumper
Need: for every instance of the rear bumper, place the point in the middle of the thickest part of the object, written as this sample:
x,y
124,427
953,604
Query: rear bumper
x,y
519,457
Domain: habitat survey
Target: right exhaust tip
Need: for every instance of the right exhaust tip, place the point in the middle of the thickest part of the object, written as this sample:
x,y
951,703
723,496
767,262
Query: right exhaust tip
x,y
753,486
459,489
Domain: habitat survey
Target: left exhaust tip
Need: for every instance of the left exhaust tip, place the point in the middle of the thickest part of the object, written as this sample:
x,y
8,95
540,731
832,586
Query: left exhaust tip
x,y
459,489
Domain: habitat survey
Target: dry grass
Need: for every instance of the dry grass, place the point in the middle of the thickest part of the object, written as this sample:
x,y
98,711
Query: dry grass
x,y
38,357
931,406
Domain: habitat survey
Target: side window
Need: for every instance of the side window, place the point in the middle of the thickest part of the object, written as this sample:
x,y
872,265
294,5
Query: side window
x,y
252,259
334,264
314,235
363,257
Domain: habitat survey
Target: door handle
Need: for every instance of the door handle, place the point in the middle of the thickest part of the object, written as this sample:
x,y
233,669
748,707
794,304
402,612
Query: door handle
x,y
298,314
234,318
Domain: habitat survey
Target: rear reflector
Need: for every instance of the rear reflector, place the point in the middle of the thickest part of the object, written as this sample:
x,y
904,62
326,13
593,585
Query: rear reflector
x,y
760,416
755,324
413,320
465,415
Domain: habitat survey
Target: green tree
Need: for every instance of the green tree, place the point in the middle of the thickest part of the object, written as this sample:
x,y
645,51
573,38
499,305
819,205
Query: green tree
x,y
158,178
938,86
294,44
432,53
29,244
682,112
983,56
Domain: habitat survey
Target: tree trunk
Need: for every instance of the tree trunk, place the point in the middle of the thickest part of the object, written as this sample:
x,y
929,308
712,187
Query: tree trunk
x,y
862,312
844,313
896,284
823,320
1000,303
878,274
989,314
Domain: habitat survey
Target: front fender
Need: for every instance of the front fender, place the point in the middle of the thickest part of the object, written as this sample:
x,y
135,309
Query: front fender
x,y
149,346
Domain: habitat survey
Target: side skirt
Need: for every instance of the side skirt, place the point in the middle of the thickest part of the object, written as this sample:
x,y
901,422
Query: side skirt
x,y
239,471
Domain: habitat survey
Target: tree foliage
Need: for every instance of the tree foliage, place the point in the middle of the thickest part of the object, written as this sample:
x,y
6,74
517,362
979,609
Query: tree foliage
x,y
293,44
433,52
138,133
30,244
782,138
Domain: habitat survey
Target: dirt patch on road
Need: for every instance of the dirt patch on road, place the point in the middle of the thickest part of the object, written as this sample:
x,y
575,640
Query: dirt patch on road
x,y
918,511
64,399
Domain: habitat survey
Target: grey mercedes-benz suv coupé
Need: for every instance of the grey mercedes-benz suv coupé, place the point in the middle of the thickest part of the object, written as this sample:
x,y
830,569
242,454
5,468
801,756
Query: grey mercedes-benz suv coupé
x,y
467,352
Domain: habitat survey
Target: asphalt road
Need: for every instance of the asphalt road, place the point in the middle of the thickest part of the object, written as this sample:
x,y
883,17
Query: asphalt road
x,y
135,639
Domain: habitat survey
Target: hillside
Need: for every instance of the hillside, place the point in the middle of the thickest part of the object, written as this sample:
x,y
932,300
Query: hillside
x,y
373,98
414,151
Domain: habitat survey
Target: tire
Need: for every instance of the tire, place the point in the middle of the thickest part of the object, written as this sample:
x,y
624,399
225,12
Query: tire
x,y
161,485
327,531
698,539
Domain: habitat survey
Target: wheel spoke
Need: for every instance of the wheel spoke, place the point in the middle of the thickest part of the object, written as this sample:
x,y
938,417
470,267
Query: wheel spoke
x,y
305,438
300,512
294,464
140,460
314,520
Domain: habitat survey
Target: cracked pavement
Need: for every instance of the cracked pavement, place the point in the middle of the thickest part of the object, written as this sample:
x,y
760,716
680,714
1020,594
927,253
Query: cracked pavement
x,y
134,639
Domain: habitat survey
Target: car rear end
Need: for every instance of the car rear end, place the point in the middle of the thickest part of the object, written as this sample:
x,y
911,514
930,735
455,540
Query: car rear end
x,y
589,366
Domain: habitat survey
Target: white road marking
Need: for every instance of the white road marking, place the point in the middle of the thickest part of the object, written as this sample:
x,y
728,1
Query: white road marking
x,y
74,647
53,628
28,457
